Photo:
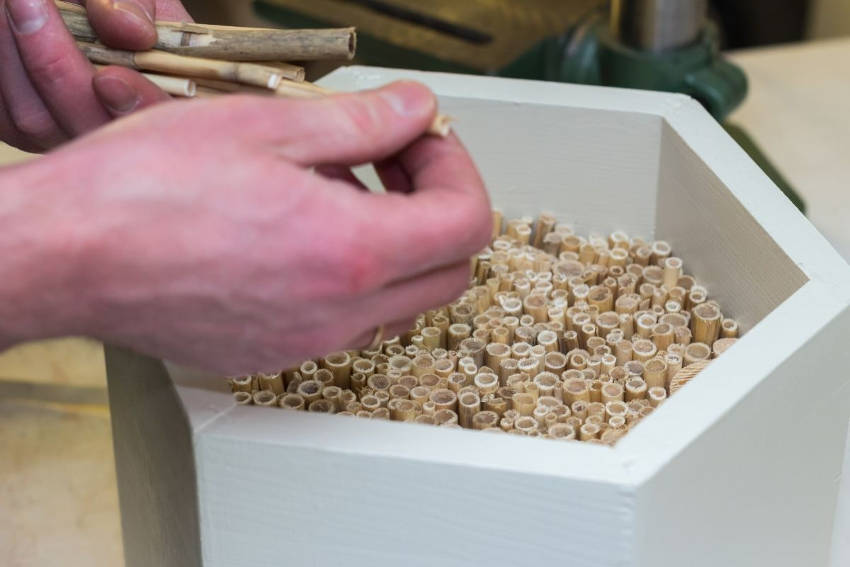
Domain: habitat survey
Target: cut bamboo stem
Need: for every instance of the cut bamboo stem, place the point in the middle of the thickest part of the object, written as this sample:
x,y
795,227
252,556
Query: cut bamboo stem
x,y
175,86
233,43
181,65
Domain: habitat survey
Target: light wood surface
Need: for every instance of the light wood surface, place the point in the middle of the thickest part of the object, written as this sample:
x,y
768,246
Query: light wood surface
x,y
798,111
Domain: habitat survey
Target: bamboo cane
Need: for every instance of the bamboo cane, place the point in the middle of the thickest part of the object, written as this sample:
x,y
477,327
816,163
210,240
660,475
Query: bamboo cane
x,y
234,43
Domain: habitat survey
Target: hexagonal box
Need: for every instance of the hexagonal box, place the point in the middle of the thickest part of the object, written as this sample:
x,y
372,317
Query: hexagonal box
x,y
741,467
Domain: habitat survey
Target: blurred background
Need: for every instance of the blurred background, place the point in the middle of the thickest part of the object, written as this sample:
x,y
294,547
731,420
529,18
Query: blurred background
x,y
775,72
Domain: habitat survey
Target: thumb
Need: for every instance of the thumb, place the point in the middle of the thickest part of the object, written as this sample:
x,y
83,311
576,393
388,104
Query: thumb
x,y
124,24
344,129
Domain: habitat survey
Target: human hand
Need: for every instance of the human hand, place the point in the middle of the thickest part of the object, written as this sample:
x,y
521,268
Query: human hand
x,y
49,92
204,236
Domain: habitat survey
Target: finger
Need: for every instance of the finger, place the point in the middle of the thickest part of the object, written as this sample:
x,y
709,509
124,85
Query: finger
x,y
404,300
28,115
56,68
444,220
125,24
10,135
123,91
393,176
340,173
345,129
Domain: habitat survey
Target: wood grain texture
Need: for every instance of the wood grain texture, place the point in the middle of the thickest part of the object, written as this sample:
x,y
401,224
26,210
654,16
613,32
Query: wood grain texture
x,y
725,248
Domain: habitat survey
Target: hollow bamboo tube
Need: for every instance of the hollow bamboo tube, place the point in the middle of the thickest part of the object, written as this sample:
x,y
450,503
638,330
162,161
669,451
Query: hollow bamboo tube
x,y
575,389
469,404
494,403
242,384
426,419
485,419
655,373
535,305
333,395
308,369
243,398
615,409
595,409
486,382
624,351
292,401
431,381
562,431
729,329
420,395
310,390
601,297
662,335
612,392
588,431
445,417
495,353
456,333
695,352
370,402
430,337
656,396
548,339
721,345
546,383
705,323
523,403
324,377
321,406
339,364
635,389
235,43
682,336
272,382
643,350
378,382
380,413
443,398
544,225
176,86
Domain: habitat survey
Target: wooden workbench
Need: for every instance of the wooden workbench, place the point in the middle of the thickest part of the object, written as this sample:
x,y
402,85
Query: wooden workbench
x,y
798,111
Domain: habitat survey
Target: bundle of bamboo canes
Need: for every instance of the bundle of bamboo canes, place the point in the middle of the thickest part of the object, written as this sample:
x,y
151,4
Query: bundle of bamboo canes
x,y
199,60
558,336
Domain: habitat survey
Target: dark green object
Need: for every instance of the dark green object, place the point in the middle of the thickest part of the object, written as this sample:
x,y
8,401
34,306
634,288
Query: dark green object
x,y
589,54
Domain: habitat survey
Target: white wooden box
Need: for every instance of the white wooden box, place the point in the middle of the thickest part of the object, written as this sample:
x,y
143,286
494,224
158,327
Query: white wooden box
x,y
741,467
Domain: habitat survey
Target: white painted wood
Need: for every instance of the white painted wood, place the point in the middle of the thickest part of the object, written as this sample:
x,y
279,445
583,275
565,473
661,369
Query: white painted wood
x,y
840,551
738,468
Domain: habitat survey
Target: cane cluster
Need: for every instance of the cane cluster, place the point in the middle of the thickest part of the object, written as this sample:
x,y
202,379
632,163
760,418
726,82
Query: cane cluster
x,y
558,336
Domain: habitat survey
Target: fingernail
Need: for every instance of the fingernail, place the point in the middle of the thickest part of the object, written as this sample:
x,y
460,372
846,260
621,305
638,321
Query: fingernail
x,y
27,16
117,95
135,9
407,98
